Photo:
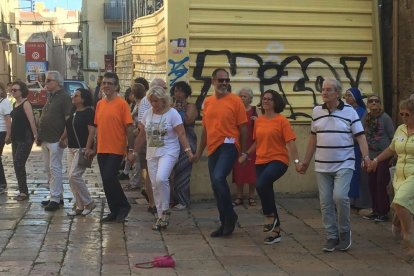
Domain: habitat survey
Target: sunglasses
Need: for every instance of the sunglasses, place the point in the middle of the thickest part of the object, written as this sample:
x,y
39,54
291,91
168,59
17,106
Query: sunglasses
x,y
373,101
223,80
404,114
14,90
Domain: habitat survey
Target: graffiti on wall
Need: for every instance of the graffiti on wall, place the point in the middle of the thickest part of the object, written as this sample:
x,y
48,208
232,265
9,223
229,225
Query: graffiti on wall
x,y
177,69
271,73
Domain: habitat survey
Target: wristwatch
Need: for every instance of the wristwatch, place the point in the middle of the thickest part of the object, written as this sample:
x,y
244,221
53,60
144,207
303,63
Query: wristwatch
x,y
296,161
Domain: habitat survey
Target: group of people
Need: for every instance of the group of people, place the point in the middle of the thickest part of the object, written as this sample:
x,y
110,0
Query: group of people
x,y
157,137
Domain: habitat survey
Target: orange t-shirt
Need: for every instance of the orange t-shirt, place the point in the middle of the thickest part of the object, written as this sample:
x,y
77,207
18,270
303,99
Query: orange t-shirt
x,y
271,136
222,118
111,120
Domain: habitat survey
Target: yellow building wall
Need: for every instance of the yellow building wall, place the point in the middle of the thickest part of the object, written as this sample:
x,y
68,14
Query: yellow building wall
x,y
123,60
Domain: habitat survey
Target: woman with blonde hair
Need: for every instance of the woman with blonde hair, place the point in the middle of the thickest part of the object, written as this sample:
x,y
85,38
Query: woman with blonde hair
x,y
163,130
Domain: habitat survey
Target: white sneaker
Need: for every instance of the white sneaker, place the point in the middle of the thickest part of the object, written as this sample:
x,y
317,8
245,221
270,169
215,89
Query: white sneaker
x,y
87,211
179,207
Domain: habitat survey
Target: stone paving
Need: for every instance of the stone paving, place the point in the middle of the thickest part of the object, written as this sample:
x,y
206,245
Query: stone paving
x,y
35,242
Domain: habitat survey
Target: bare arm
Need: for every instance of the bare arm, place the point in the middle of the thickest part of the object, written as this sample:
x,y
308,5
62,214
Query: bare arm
x,y
309,153
293,153
243,137
130,135
363,146
139,141
183,141
29,114
7,120
91,137
191,114
203,143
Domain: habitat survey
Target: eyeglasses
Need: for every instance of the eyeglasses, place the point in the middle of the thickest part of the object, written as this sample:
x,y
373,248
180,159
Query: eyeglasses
x,y
223,80
373,101
107,83
267,99
14,90
404,114
48,80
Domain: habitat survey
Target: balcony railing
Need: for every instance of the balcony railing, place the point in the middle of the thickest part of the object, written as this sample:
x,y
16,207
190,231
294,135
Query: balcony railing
x,y
113,11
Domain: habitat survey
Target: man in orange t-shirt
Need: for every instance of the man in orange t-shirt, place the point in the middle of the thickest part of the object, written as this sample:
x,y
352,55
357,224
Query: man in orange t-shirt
x,y
114,129
224,134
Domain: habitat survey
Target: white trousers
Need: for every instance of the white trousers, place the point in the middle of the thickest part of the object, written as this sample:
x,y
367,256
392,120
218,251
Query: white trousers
x,y
77,183
53,155
159,169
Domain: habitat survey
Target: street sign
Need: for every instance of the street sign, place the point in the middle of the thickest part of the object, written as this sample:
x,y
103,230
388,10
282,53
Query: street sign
x,y
35,51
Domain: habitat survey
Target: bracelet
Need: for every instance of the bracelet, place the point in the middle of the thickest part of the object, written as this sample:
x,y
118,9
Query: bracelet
x,y
244,154
187,150
375,160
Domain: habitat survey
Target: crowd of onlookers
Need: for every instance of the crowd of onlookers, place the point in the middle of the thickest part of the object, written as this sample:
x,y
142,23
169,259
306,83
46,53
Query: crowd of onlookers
x,y
148,137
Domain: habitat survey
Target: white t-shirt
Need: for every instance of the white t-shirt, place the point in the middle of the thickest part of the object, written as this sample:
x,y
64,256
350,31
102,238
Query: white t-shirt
x,y
161,137
5,109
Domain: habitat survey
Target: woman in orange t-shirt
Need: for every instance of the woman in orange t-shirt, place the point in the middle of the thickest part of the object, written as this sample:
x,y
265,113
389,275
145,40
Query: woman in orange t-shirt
x,y
274,142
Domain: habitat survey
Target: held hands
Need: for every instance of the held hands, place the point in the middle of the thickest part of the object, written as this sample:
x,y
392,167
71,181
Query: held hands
x,y
301,167
131,156
90,153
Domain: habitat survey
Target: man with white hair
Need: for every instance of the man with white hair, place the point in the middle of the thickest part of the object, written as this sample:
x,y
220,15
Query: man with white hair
x,y
334,127
51,127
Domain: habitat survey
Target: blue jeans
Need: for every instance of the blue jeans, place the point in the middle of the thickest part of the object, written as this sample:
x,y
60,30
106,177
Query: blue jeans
x,y
109,165
333,192
220,164
266,175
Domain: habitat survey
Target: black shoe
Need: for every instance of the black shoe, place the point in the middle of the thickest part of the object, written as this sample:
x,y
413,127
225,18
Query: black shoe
x,y
230,224
109,218
52,206
123,176
371,216
46,202
381,218
217,233
122,214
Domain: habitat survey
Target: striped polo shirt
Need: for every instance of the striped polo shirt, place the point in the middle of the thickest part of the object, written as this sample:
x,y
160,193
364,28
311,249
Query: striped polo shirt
x,y
335,134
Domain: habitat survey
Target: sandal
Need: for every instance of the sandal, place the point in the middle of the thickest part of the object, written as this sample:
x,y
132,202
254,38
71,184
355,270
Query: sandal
x,y
271,226
21,197
252,202
129,187
273,239
238,201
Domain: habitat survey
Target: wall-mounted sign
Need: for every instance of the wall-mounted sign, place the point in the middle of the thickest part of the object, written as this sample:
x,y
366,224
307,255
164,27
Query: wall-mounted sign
x,y
35,51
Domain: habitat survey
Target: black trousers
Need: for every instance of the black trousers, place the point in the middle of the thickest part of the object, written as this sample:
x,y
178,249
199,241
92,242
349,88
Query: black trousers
x,y
115,196
21,152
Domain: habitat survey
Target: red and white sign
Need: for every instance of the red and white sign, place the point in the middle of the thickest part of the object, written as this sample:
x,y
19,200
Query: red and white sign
x,y
35,51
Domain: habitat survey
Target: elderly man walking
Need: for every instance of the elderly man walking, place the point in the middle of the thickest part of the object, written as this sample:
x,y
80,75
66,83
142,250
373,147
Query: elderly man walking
x,y
224,134
113,121
334,127
51,127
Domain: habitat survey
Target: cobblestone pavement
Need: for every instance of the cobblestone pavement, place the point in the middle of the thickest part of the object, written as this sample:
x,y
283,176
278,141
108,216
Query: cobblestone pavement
x,y
35,242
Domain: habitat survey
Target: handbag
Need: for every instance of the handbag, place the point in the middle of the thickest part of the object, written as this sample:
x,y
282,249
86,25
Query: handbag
x,y
83,161
160,261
